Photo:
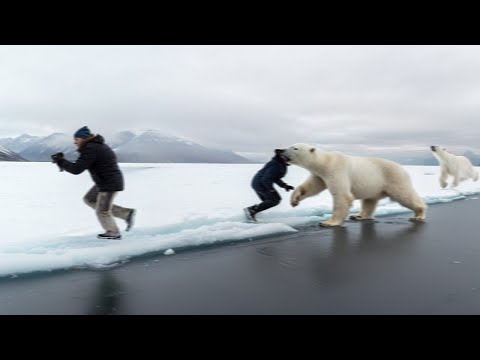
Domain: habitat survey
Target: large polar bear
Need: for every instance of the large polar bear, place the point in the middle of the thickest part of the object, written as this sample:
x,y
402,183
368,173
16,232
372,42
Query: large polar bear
x,y
352,177
457,166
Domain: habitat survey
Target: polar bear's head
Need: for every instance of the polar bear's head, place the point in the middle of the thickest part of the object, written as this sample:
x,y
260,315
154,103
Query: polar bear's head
x,y
438,151
298,154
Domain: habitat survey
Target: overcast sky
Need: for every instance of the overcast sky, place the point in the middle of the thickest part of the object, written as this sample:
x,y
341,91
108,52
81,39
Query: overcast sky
x,y
248,98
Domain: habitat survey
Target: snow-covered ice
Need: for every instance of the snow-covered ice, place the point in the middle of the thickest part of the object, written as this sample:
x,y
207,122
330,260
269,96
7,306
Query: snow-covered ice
x,y
46,225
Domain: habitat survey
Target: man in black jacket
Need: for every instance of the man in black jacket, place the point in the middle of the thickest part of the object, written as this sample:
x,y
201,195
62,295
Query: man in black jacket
x,y
100,160
262,183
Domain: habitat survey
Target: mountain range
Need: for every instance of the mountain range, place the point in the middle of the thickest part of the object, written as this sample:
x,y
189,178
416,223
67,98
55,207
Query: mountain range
x,y
151,146
8,155
146,146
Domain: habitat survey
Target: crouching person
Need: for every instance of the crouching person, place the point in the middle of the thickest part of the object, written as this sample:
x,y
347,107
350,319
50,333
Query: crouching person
x,y
262,183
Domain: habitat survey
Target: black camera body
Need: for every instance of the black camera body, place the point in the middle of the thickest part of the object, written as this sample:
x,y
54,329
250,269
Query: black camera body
x,y
56,157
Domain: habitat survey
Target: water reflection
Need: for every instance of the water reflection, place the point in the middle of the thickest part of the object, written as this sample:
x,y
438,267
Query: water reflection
x,y
364,250
107,297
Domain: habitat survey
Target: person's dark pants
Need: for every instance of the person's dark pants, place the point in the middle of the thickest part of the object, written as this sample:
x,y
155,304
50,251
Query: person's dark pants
x,y
270,198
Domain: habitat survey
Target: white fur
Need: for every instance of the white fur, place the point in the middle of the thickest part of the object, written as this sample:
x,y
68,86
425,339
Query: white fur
x,y
457,166
352,177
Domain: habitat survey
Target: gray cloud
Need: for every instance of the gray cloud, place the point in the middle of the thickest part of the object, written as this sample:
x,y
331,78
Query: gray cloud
x,y
248,98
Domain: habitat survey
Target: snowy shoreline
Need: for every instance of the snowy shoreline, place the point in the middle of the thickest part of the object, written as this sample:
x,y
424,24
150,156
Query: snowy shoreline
x,y
180,206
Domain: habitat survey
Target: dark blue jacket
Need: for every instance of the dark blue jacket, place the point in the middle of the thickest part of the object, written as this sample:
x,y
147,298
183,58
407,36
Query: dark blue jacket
x,y
271,173
100,161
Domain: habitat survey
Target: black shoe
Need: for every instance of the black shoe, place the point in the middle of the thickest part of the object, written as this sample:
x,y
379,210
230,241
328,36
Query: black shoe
x,y
250,214
131,219
110,236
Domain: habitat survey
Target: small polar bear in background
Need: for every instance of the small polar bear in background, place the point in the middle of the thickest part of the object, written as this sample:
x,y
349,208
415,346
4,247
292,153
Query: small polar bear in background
x,y
457,166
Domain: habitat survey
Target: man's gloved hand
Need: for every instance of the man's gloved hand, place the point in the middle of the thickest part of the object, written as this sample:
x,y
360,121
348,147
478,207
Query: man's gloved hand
x,y
289,187
57,159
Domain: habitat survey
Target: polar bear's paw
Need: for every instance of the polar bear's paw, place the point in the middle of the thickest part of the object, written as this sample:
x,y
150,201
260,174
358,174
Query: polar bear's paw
x,y
417,219
328,224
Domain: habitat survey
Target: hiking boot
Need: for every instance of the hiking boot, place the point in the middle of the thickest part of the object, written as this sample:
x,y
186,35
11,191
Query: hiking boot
x,y
250,213
109,236
131,219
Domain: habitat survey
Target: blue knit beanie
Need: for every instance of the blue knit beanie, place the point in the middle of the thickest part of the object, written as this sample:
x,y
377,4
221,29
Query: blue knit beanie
x,y
83,133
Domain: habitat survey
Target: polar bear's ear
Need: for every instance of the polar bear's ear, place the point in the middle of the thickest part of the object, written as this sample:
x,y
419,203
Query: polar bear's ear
x,y
312,150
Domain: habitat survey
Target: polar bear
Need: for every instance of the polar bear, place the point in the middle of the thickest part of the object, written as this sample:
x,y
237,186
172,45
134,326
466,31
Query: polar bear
x,y
457,166
352,177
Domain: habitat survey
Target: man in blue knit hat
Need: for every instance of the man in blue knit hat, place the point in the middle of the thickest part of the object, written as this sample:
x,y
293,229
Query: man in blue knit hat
x,y
100,160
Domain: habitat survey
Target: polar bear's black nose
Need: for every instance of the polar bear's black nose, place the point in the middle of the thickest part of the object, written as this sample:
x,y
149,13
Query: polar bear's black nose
x,y
279,151
433,147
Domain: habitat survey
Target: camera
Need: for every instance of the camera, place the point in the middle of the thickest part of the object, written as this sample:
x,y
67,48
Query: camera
x,y
56,157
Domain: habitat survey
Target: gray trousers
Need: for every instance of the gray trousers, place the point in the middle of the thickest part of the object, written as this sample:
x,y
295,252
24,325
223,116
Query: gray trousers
x,y
102,203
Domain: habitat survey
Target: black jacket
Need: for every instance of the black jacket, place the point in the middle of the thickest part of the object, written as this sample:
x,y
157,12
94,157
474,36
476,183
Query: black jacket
x,y
100,160
271,173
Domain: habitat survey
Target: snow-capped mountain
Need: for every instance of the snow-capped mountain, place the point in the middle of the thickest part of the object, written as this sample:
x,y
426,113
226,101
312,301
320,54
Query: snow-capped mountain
x,y
152,146
8,155
43,148
119,139
19,143
149,146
